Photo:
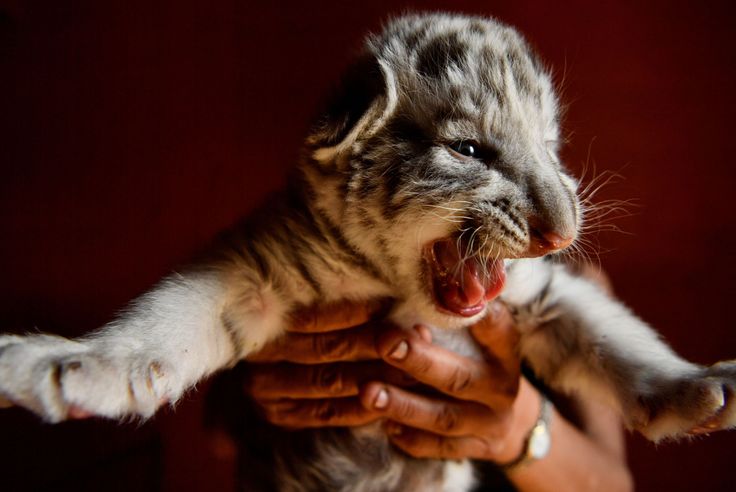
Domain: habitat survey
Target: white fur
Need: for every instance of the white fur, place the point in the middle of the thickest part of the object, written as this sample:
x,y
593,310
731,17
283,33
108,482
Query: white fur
x,y
575,337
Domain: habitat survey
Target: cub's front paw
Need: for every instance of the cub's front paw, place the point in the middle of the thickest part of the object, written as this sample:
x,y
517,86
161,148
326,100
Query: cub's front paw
x,y
700,402
100,384
59,379
29,372
725,418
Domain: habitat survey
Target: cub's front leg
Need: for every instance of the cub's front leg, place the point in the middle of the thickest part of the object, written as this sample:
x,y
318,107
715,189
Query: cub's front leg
x,y
579,339
186,328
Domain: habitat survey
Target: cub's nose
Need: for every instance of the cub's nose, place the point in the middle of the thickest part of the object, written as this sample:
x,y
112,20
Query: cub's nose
x,y
541,243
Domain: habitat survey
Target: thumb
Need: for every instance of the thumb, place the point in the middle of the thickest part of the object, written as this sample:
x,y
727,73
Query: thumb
x,y
499,337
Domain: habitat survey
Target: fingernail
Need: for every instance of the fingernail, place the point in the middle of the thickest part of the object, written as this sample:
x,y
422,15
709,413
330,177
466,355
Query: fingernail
x,y
424,333
381,400
400,351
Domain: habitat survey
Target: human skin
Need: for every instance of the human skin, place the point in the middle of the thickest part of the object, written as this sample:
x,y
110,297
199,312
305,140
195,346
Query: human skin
x,y
337,367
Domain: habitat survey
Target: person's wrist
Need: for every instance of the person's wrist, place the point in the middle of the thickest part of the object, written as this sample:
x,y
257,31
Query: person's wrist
x,y
524,415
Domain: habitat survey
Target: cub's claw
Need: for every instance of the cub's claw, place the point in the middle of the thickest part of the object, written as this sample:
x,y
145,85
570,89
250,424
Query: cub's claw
x,y
696,404
60,379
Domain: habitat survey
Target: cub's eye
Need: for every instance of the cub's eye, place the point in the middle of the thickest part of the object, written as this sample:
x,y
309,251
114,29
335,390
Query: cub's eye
x,y
466,148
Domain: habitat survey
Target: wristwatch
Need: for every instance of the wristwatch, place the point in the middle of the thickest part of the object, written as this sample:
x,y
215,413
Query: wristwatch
x,y
538,442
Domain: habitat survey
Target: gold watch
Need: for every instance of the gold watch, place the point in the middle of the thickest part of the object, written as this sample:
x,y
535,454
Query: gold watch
x,y
538,442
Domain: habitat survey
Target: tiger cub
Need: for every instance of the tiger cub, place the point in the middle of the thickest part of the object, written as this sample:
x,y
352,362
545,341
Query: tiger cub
x,y
431,177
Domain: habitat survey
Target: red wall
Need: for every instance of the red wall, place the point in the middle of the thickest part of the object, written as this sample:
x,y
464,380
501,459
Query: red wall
x,y
132,131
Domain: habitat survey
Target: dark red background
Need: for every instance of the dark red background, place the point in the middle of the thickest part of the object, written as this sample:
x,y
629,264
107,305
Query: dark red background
x,y
132,131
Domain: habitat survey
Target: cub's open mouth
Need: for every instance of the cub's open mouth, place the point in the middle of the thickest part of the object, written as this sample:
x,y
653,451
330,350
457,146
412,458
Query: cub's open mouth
x,y
462,286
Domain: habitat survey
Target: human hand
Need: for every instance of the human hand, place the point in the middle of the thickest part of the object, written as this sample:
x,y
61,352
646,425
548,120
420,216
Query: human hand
x,y
311,377
316,376
484,408
482,426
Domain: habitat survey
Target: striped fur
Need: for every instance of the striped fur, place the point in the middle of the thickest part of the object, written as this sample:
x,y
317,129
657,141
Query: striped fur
x,y
378,182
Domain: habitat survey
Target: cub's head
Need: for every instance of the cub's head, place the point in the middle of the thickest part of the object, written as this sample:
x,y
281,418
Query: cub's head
x,y
437,159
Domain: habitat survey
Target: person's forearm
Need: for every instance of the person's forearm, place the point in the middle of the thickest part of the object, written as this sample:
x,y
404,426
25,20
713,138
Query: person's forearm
x,y
575,462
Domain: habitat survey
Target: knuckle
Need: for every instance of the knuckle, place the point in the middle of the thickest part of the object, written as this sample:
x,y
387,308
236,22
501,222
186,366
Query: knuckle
x,y
333,346
274,415
324,411
447,419
418,363
459,380
404,410
328,379
281,412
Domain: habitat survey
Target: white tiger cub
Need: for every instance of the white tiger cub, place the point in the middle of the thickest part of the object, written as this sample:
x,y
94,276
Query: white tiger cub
x,y
432,177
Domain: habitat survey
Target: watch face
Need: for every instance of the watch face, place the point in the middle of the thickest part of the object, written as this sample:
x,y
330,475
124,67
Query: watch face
x,y
539,442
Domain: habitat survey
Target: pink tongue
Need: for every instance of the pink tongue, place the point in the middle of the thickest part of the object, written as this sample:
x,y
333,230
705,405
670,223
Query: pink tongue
x,y
471,290
465,289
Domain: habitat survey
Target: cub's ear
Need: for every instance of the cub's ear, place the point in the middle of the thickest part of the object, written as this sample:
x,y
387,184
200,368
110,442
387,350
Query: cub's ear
x,y
353,109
